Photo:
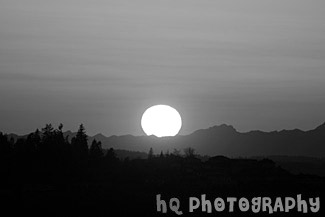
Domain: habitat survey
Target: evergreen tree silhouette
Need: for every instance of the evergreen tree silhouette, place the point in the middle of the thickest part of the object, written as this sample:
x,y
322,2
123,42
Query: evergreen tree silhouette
x,y
5,145
79,145
189,152
46,144
51,147
6,149
110,157
96,151
34,140
150,153
161,154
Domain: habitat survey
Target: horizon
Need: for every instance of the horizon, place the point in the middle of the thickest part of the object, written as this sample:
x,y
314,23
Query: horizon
x,y
144,135
230,142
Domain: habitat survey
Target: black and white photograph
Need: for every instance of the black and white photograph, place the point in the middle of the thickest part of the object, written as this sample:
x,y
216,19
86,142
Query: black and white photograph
x,y
162,108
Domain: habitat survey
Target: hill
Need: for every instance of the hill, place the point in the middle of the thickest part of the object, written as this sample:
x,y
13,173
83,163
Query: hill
x,y
226,140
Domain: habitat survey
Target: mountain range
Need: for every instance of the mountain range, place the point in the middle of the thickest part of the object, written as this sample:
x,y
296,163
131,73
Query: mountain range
x,y
224,140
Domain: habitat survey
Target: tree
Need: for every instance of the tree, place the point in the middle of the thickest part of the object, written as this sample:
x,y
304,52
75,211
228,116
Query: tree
x,y
81,134
176,152
189,152
46,145
52,149
110,157
150,153
79,144
161,154
5,145
96,151
47,131
32,143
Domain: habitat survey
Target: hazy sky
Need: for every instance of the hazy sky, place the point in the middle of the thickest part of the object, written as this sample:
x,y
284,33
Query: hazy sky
x,y
253,64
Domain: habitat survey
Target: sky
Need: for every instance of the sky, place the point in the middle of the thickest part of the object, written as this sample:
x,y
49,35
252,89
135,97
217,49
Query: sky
x,y
252,64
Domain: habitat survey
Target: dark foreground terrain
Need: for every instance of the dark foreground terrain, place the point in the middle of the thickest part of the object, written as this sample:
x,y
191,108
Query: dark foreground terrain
x,y
49,175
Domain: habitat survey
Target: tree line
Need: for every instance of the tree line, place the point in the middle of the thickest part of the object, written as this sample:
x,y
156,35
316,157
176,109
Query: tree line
x,y
48,150
48,153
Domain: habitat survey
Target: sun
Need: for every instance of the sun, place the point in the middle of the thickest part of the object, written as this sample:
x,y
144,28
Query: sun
x,y
161,121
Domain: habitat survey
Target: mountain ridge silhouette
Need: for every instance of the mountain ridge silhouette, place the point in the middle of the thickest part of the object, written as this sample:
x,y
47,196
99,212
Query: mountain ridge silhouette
x,y
223,140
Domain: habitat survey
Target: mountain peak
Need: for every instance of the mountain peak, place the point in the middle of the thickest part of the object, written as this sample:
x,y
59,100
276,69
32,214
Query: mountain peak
x,y
99,135
224,128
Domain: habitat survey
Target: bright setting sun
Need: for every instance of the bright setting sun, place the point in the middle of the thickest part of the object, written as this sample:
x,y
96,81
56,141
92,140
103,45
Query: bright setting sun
x,y
161,120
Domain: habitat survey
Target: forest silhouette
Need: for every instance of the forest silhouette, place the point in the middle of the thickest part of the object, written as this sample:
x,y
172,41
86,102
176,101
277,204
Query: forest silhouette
x,y
49,174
